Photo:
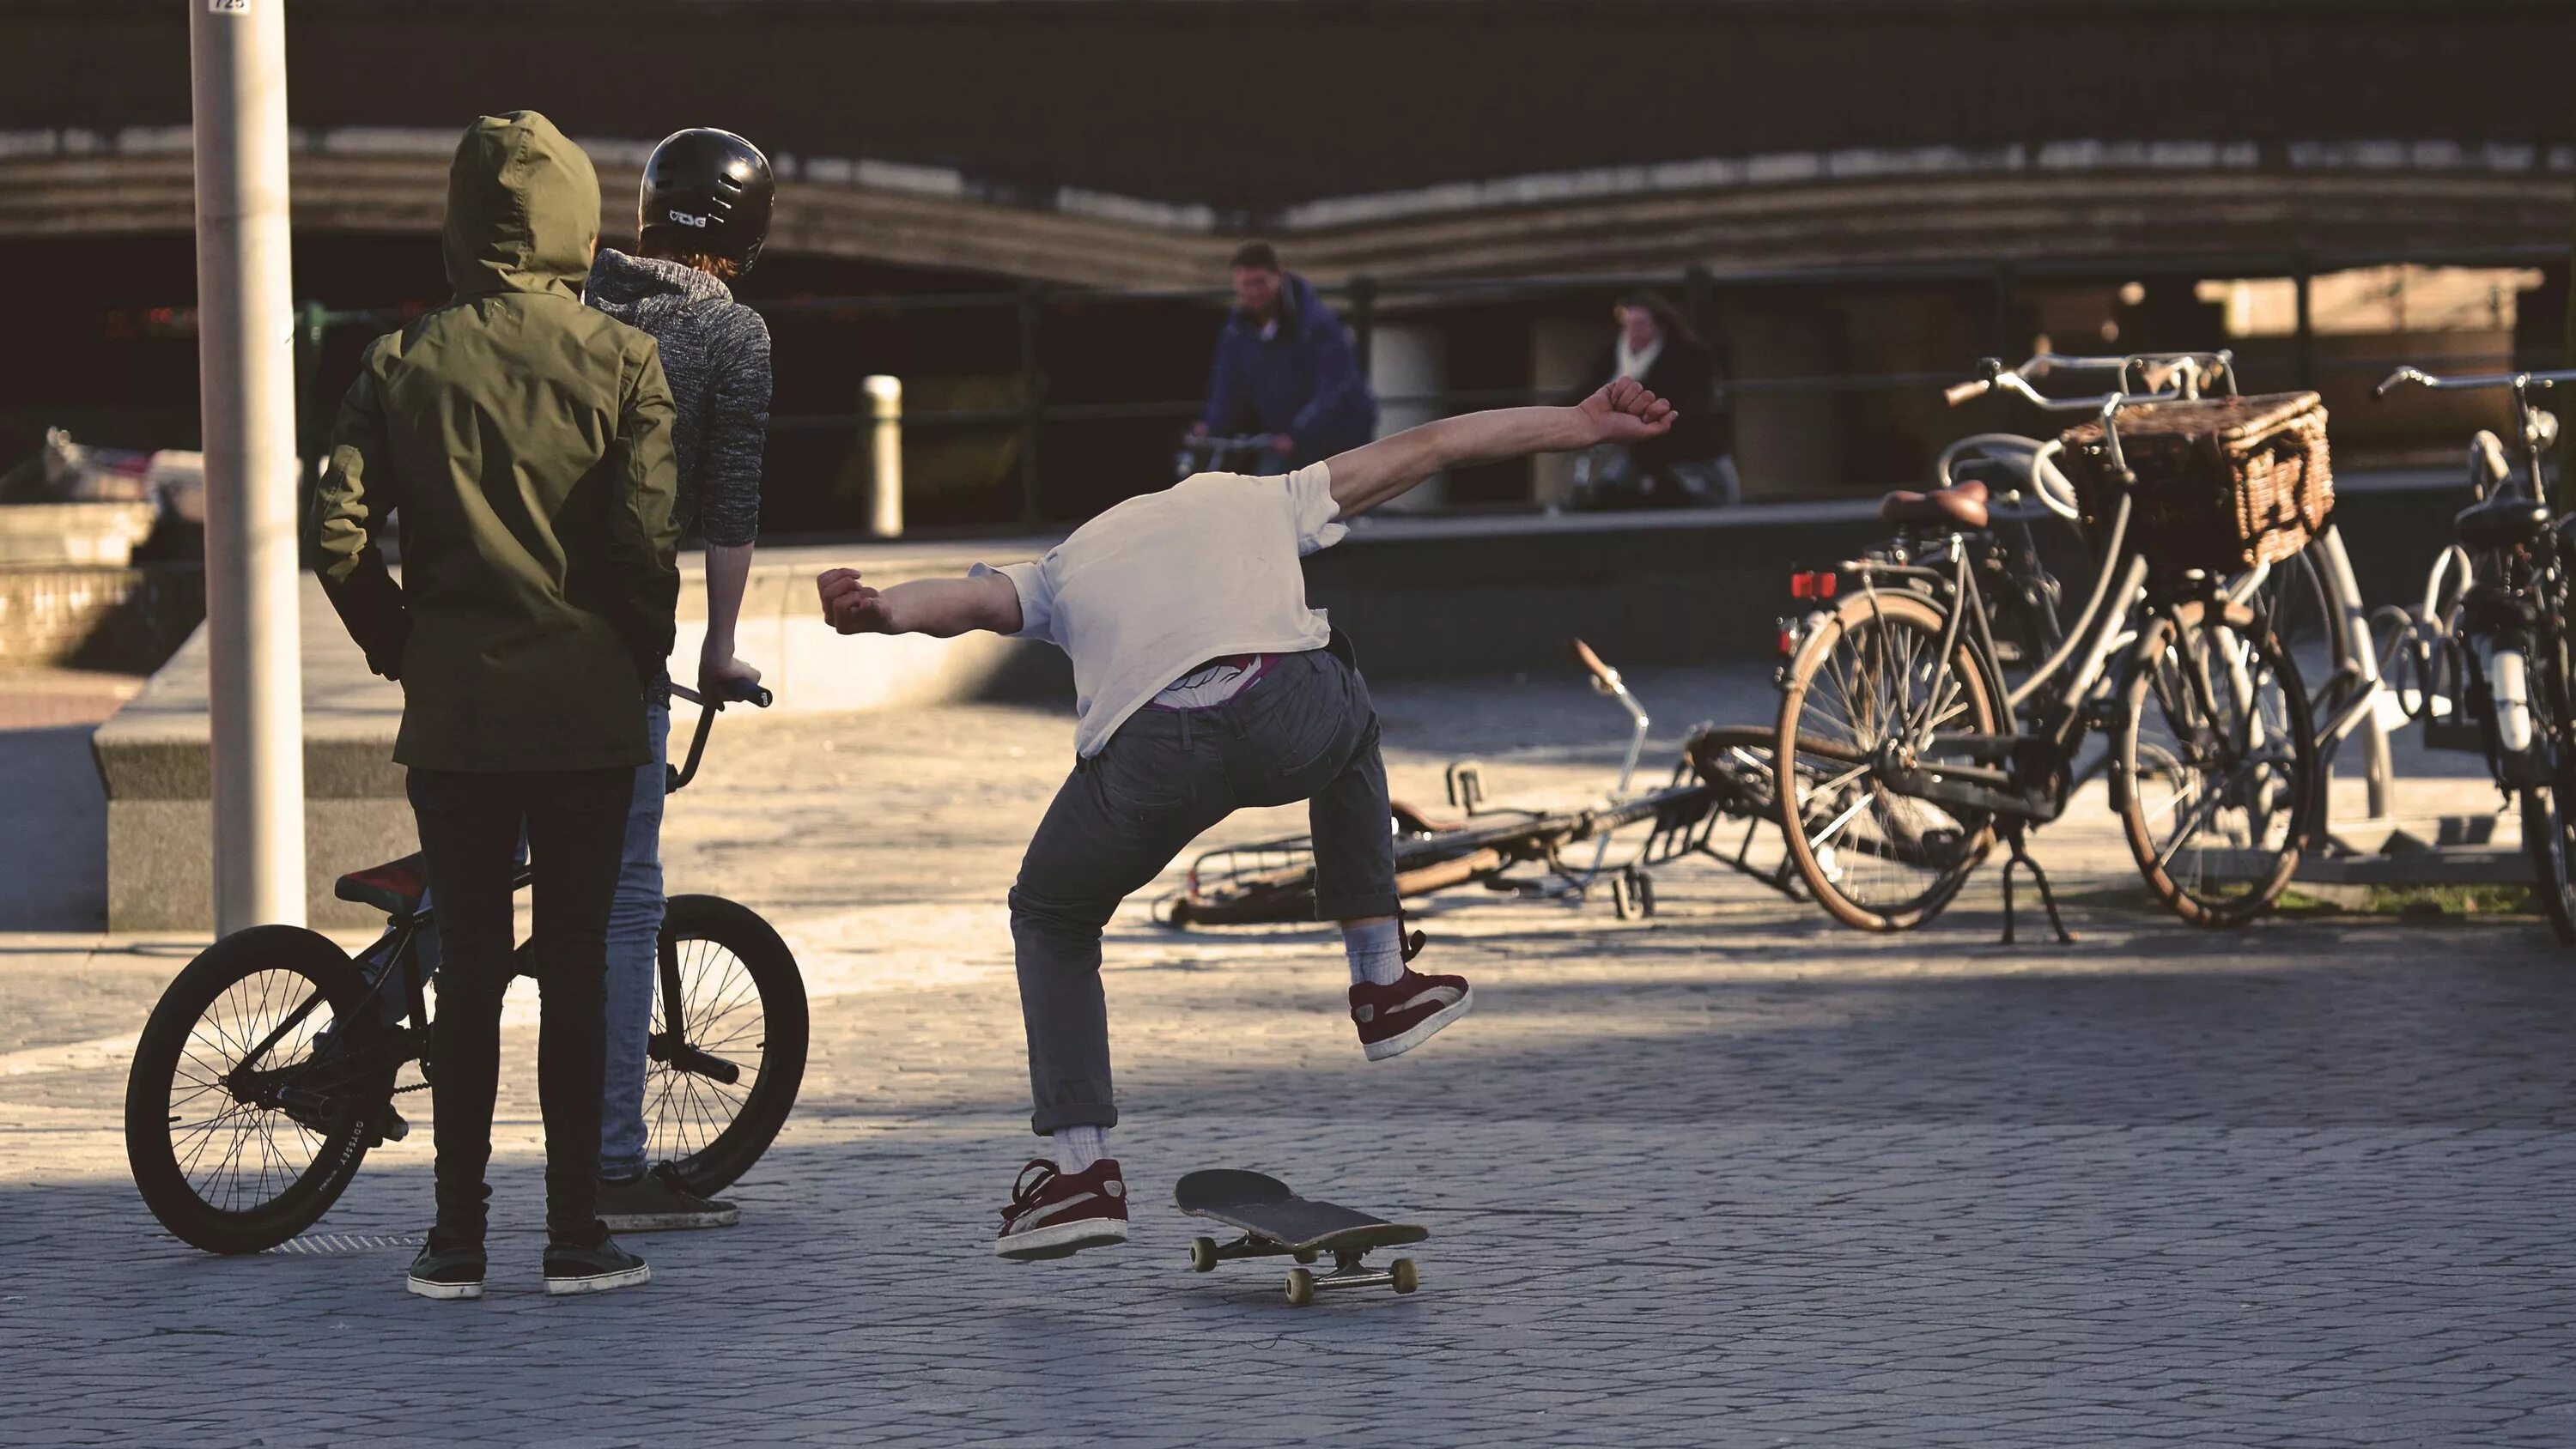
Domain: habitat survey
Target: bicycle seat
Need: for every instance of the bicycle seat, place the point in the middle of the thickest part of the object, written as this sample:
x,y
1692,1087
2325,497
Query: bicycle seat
x,y
394,887
1961,505
2502,522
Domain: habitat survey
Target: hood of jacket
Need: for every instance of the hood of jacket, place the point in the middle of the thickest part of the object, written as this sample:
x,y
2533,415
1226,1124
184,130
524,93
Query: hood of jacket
x,y
621,285
522,209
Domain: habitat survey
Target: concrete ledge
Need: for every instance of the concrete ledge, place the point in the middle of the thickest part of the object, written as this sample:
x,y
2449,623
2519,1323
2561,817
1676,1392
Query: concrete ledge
x,y
98,618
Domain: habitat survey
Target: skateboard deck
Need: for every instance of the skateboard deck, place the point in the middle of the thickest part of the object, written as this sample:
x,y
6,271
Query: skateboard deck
x,y
1275,1220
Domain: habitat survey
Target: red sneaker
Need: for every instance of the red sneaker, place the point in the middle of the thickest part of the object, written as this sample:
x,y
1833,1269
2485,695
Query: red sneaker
x,y
1398,1017
1054,1213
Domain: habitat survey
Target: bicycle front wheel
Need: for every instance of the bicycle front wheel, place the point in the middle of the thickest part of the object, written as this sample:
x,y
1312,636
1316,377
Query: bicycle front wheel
x,y
246,1113
2548,833
2214,766
727,1053
1869,673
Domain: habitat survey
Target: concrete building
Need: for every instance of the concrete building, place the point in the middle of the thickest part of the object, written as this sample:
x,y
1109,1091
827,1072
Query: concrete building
x,y
1856,197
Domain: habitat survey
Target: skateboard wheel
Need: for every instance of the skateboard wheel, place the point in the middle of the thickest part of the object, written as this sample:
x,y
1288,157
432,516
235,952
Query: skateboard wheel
x,y
1301,1287
1306,1256
1202,1255
1407,1277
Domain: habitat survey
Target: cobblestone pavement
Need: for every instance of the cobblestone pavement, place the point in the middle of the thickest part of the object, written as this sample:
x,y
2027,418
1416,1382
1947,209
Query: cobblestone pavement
x,y
1731,1176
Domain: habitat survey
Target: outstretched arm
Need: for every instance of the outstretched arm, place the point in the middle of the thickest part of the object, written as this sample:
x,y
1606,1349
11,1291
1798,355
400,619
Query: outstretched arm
x,y
1623,412
942,608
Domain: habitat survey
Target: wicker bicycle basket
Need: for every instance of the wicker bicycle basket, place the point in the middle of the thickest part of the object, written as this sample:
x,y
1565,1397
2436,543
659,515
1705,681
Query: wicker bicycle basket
x,y
2223,483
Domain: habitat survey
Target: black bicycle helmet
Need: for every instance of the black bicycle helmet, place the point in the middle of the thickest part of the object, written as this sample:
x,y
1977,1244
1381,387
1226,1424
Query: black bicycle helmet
x,y
707,191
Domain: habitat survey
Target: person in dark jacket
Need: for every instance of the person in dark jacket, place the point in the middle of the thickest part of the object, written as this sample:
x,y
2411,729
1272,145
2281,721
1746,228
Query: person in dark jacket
x,y
1284,367
1690,466
715,351
526,441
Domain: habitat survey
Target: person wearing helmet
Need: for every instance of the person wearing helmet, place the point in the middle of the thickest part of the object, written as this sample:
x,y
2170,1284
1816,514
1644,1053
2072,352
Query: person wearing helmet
x,y
702,215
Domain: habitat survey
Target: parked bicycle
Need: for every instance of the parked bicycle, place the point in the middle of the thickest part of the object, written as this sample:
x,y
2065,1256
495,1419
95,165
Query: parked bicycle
x,y
2492,639
1895,699
268,1069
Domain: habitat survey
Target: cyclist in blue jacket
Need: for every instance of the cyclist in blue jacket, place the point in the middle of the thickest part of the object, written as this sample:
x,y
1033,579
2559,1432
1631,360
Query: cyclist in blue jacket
x,y
1284,368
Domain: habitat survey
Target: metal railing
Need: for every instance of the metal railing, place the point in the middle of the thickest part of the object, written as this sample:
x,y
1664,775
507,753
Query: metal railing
x,y
1366,301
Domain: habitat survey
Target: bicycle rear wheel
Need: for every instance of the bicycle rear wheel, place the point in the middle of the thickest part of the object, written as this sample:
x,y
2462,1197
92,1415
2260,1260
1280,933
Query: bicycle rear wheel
x,y
2214,767
1873,858
239,1131
719,1086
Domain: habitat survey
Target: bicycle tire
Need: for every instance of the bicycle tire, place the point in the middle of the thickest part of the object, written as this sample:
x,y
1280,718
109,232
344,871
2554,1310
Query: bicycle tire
x,y
155,1137
2548,834
710,1161
2192,894
1800,746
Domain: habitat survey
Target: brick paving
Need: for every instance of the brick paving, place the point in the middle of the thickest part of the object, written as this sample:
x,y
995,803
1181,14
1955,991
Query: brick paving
x,y
1731,1176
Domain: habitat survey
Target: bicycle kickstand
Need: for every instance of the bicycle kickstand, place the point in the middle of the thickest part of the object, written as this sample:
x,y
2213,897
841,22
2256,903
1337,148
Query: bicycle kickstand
x,y
2018,839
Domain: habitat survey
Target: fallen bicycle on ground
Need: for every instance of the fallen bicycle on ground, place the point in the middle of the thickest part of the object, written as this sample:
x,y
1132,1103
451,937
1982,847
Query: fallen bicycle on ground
x,y
1723,776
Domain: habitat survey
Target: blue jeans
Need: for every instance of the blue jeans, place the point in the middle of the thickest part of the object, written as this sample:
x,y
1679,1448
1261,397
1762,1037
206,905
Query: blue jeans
x,y
1307,732
634,938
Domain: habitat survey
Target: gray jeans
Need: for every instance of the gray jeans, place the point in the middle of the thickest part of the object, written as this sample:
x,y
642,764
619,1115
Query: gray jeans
x,y
1306,732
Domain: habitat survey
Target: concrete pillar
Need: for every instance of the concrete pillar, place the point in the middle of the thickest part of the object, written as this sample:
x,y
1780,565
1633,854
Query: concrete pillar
x,y
1409,366
1562,350
246,390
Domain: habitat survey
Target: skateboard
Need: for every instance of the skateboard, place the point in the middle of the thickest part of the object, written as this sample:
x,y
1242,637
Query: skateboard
x,y
1274,1220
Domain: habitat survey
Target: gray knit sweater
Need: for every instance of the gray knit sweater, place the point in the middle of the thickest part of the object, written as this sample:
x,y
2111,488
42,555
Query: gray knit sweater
x,y
715,351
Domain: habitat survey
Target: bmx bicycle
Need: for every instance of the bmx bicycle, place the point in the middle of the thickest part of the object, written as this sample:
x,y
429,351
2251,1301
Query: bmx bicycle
x,y
1724,774
2491,639
1911,753
268,1068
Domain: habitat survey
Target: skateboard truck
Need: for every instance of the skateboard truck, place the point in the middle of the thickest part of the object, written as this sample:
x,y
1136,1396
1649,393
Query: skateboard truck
x,y
1350,1270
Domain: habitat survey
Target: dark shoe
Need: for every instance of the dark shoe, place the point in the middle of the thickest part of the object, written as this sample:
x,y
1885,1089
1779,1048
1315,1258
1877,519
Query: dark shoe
x,y
450,1265
572,1268
658,1201
1395,1018
1054,1213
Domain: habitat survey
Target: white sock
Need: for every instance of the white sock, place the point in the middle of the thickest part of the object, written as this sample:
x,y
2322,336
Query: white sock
x,y
1076,1148
1376,952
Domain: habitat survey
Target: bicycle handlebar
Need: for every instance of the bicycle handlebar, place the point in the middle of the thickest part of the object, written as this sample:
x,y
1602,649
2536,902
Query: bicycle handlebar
x,y
1969,391
2157,373
2420,378
738,691
1605,678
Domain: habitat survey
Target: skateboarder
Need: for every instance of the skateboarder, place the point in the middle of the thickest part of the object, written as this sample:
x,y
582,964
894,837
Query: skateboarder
x,y
1203,684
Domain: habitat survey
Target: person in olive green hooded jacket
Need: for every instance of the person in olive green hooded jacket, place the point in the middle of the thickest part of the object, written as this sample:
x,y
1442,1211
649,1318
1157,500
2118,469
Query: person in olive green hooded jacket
x,y
525,442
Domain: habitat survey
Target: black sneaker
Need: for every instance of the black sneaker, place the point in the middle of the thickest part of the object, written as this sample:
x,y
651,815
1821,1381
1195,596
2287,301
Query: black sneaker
x,y
658,1201
449,1266
571,1268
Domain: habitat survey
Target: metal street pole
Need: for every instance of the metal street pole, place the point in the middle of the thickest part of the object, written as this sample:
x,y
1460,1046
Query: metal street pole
x,y
246,391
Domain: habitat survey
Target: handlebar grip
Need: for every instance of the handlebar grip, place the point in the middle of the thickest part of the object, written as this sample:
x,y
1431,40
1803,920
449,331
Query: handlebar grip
x,y
2398,379
1959,392
1593,662
744,691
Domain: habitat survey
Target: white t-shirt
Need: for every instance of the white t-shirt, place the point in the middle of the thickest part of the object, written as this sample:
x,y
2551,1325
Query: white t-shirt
x,y
1161,584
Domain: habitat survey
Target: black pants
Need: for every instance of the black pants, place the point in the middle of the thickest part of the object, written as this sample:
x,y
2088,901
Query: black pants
x,y
469,839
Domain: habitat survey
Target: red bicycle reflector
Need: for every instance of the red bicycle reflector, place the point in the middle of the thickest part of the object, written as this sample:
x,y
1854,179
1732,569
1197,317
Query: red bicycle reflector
x,y
1802,585
1788,641
1827,584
